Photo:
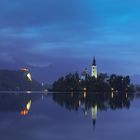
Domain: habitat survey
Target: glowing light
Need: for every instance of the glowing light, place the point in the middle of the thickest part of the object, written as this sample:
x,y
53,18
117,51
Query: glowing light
x,y
24,69
29,92
112,95
24,112
29,76
94,69
85,94
85,89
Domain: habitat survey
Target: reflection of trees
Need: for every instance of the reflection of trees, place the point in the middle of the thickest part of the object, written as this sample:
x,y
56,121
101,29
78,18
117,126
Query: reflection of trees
x,y
93,102
69,101
120,101
105,101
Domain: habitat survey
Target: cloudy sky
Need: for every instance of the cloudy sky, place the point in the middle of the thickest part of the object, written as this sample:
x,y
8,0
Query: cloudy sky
x,y
54,37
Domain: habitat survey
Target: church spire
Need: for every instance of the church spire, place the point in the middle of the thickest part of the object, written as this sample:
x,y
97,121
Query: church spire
x,y
94,69
94,61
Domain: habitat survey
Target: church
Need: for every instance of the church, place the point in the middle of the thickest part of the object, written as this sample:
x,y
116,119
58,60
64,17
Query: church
x,y
94,69
85,73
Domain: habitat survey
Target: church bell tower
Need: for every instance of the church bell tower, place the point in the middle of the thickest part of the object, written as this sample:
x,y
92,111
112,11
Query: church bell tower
x,y
94,69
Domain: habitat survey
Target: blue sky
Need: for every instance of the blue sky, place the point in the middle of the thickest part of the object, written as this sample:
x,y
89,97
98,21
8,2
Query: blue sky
x,y
64,35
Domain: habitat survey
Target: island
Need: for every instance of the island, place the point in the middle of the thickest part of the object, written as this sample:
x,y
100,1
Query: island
x,y
93,82
104,83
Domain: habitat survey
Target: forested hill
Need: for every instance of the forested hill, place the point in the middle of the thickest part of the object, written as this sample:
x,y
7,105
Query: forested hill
x,y
12,80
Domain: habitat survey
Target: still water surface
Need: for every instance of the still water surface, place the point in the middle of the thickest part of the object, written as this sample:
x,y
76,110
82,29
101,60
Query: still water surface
x,y
69,116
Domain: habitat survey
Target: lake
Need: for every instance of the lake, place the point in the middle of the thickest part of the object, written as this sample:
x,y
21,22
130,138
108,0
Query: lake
x,y
69,116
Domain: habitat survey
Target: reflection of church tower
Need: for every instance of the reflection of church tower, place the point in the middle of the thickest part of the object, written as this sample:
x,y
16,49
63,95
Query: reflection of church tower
x,y
94,69
94,114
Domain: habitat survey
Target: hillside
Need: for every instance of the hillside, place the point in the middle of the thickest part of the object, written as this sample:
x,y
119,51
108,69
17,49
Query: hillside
x,y
11,80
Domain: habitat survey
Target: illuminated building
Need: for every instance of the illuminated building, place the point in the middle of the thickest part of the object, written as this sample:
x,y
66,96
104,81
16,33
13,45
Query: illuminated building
x,y
27,73
85,74
29,77
94,69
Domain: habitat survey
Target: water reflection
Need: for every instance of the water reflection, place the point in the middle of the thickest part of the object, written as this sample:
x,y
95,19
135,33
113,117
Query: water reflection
x,y
17,102
53,116
91,103
88,103
25,111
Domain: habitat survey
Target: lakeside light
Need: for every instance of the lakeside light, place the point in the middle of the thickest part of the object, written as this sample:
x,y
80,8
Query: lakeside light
x,y
85,94
126,95
112,95
85,89
29,92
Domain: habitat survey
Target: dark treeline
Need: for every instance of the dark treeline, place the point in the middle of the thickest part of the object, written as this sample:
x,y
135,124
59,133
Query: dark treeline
x,y
16,81
102,83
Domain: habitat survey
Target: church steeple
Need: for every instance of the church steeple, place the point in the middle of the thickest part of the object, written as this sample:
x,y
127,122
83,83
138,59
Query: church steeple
x,y
94,69
94,61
